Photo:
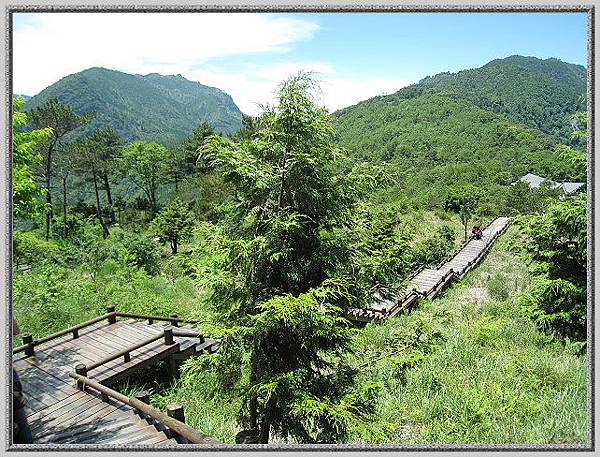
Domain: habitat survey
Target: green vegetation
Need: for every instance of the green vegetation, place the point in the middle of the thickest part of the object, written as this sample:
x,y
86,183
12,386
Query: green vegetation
x,y
269,234
541,94
150,107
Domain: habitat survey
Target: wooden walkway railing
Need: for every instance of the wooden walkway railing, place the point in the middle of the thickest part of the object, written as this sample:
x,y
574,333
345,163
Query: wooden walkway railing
x,y
95,353
429,283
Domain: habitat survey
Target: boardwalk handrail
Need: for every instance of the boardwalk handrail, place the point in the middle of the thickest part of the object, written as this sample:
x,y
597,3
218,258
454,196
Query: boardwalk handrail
x,y
167,334
74,330
174,319
193,436
110,314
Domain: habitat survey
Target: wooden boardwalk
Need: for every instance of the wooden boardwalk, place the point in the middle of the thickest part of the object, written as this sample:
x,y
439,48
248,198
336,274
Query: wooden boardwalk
x,y
60,412
429,282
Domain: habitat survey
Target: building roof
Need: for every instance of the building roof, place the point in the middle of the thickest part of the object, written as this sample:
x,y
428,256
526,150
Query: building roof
x,y
571,187
567,187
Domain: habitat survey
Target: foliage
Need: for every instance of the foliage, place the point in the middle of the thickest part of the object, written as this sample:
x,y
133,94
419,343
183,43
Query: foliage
x,y
61,119
26,192
146,164
193,143
557,243
523,199
280,296
173,224
464,202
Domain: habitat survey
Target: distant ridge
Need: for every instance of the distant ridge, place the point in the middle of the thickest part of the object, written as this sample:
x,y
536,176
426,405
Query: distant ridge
x,y
143,107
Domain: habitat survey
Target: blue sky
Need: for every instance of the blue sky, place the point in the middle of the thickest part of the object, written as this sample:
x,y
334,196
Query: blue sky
x,y
356,55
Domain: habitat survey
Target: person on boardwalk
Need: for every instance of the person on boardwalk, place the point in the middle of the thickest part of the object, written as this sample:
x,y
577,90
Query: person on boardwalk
x,y
476,232
21,430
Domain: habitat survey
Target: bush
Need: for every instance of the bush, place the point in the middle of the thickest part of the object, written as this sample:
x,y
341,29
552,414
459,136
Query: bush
x,y
29,249
143,252
557,244
434,249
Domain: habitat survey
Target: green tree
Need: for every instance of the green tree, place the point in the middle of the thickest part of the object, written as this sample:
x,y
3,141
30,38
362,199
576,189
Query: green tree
x,y
89,164
67,157
557,242
25,191
147,165
105,145
280,296
62,120
191,146
248,130
463,201
174,224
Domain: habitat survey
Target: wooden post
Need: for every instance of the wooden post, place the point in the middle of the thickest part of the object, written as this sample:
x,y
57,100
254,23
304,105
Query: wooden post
x,y
75,334
174,323
127,357
168,332
175,410
142,396
81,369
110,310
150,321
28,339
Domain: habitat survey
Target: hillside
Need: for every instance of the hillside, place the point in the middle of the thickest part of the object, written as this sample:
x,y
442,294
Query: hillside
x,y
445,129
151,107
538,93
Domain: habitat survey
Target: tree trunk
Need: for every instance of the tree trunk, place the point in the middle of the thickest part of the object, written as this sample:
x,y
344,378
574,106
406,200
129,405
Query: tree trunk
x,y
173,246
105,231
253,404
265,428
49,211
109,199
64,186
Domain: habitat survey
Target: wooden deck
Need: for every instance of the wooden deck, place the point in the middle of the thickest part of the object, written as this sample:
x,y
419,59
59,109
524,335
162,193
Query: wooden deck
x,y
59,412
430,282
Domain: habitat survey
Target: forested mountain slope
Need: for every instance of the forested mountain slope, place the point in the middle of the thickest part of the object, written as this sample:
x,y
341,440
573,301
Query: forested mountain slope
x,y
465,127
538,93
151,107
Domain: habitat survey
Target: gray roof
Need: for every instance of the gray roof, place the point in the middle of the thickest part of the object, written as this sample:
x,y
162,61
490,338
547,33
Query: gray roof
x,y
533,180
567,187
570,187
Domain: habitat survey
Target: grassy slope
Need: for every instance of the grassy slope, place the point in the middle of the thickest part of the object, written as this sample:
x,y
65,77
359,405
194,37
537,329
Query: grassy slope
x,y
482,374
479,373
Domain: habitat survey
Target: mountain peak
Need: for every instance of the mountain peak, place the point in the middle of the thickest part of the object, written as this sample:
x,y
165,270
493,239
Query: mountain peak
x,y
143,107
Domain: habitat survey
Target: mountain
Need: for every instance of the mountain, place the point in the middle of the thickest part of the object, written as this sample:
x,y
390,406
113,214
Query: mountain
x,y
486,126
143,107
23,96
538,93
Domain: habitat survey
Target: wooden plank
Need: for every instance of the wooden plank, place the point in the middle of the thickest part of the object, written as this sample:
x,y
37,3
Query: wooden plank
x,y
102,421
35,416
61,414
101,428
53,431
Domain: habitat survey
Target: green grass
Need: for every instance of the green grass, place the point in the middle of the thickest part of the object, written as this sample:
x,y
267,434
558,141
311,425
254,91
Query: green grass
x,y
465,368
482,373
50,298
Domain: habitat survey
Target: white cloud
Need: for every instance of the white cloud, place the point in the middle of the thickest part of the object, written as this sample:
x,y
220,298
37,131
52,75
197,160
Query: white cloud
x,y
250,90
48,46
